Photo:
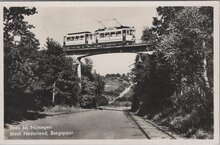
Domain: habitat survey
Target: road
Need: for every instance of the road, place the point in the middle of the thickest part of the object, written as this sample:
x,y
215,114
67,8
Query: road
x,y
94,124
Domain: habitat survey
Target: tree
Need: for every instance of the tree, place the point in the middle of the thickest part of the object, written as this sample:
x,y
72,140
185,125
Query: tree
x,y
32,74
92,85
99,84
184,29
57,73
87,67
181,68
20,51
149,36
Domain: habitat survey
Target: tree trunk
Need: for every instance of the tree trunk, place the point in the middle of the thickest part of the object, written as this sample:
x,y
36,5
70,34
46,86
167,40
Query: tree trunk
x,y
205,72
205,69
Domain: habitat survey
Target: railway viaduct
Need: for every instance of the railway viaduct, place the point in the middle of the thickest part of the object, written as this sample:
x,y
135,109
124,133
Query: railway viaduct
x,y
81,53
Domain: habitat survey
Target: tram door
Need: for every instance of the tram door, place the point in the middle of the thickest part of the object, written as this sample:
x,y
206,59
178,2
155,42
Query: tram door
x,y
123,35
86,39
96,38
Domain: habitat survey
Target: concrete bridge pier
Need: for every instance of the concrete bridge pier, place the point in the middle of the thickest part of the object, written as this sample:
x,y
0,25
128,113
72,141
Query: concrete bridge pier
x,y
78,63
79,72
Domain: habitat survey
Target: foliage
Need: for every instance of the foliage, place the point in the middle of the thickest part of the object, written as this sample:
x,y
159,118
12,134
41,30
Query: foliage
x,y
115,84
87,68
92,86
57,74
180,71
153,85
88,101
20,51
31,74
102,101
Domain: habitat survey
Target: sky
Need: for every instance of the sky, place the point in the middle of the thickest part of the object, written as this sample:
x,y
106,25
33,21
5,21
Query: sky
x,y
55,22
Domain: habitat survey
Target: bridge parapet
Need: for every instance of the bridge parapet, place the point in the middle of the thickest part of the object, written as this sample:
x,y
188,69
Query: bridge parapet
x,y
134,48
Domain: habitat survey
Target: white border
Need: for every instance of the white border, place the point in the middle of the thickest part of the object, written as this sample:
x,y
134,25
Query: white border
x,y
214,4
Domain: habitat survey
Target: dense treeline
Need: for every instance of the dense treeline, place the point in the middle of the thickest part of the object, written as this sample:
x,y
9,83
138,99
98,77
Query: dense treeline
x,y
34,77
93,86
174,85
40,77
19,56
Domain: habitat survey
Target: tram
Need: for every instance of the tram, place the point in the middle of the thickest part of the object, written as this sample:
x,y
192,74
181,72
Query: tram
x,y
111,36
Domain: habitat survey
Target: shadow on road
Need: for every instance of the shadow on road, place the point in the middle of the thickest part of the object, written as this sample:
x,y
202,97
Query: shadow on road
x,y
15,119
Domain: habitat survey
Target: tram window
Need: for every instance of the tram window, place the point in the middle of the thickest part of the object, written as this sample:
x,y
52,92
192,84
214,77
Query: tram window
x,y
118,33
90,36
101,35
106,34
72,38
77,37
113,34
68,38
81,37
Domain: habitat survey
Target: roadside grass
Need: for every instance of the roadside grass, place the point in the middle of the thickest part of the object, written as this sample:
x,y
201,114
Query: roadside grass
x,y
121,104
180,125
62,109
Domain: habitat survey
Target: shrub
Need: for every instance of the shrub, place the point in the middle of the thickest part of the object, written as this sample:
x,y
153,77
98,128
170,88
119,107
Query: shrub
x,y
87,101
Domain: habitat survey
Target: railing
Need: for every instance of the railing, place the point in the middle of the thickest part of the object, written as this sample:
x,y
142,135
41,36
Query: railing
x,y
108,47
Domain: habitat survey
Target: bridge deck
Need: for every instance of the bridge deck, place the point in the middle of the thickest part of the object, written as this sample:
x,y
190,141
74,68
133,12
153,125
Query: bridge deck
x,y
109,49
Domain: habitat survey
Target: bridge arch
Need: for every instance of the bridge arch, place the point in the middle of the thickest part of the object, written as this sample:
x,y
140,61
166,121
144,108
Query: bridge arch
x,y
82,53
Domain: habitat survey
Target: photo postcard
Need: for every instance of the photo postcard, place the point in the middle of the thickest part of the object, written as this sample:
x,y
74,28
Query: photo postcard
x,y
110,72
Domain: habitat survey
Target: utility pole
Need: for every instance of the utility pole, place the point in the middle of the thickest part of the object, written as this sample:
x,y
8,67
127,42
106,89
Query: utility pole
x,y
53,99
54,89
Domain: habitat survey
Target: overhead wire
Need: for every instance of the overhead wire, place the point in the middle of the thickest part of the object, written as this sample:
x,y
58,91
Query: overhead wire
x,y
94,22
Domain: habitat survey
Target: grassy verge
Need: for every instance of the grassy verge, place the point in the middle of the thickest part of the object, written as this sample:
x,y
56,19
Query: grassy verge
x,y
181,125
59,109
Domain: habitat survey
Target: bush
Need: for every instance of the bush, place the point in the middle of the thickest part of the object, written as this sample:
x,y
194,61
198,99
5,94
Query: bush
x,y
88,102
102,101
121,104
201,134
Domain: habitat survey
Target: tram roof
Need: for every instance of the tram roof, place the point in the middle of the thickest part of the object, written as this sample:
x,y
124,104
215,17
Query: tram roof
x,y
84,32
120,27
